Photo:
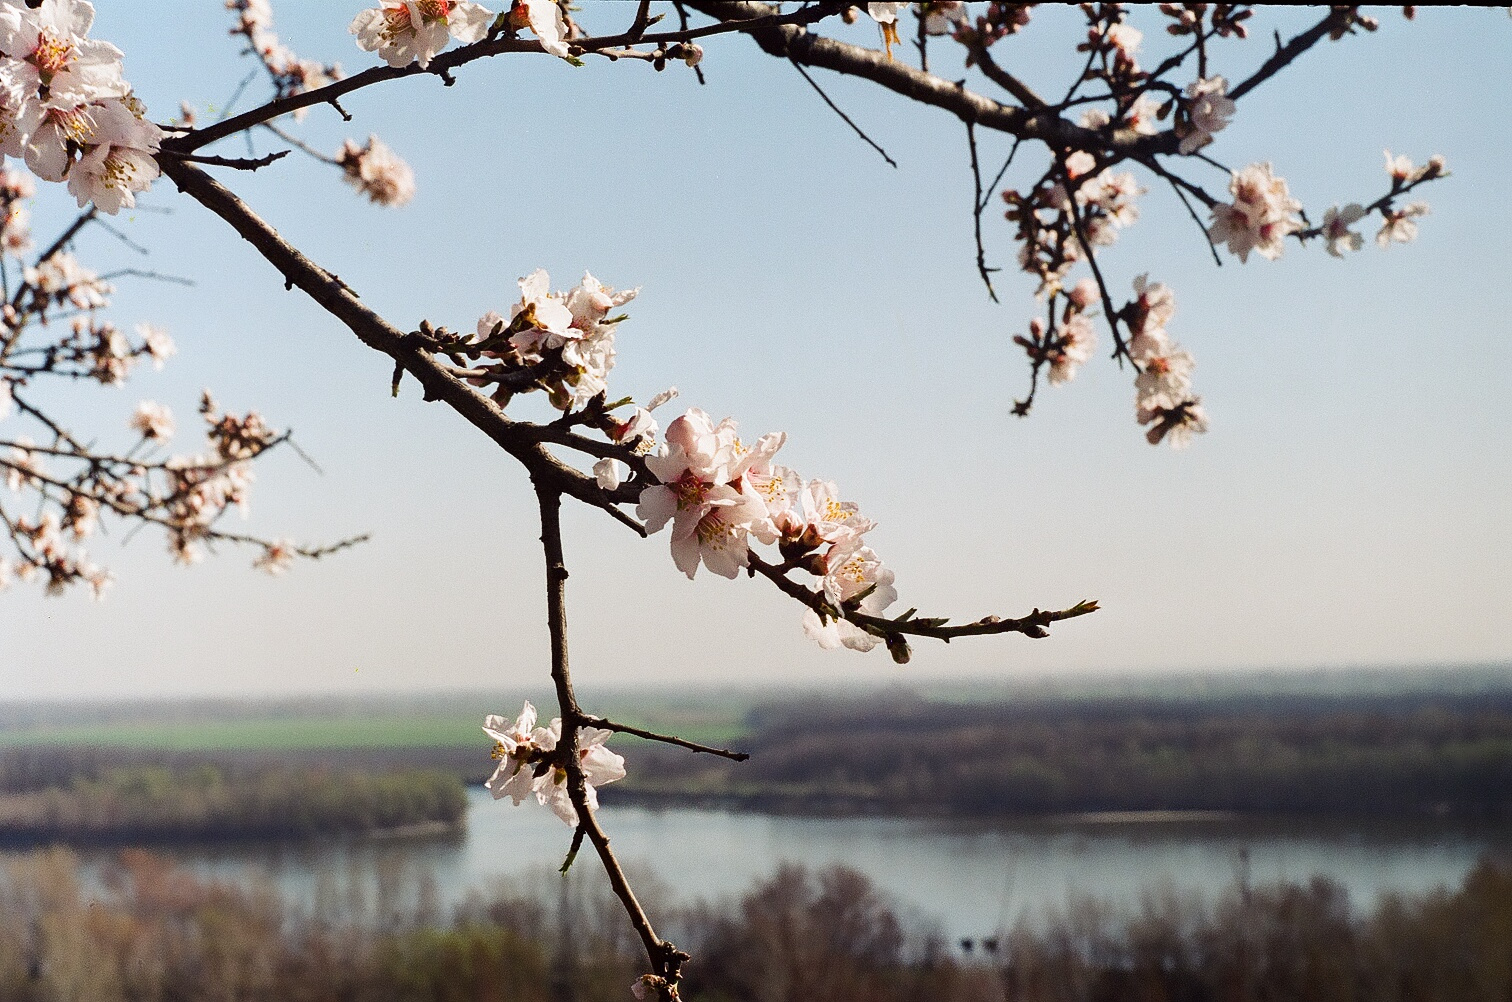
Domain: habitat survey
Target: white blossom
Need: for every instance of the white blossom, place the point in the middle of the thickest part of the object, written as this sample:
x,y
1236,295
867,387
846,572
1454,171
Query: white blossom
x,y
1209,109
1260,217
599,765
514,746
408,31
153,420
607,472
119,161
377,171
276,558
1336,223
52,52
854,577
159,344
1400,225
704,492
544,18
1075,343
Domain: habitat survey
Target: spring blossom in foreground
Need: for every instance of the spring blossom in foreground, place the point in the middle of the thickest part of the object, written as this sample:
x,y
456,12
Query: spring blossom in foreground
x,y
523,751
409,31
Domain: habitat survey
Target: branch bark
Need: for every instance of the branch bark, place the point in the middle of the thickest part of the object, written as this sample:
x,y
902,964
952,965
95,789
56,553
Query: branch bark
x,y
666,960
790,41
338,299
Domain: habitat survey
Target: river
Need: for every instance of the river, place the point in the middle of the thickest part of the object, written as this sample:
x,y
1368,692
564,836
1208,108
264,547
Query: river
x,y
962,877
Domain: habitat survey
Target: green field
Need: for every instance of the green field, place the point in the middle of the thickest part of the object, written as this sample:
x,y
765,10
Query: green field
x,y
296,733
308,731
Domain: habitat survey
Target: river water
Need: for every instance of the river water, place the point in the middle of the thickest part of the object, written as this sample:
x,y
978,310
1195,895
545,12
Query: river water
x,y
962,877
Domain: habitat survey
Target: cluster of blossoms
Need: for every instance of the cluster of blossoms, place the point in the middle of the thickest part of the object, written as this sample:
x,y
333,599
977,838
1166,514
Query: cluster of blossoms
x,y
529,764
291,75
1263,212
415,31
65,107
721,496
1050,225
1070,345
1261,216
45,550
1163,388
377,172
202,488
560,342
185,495
409,31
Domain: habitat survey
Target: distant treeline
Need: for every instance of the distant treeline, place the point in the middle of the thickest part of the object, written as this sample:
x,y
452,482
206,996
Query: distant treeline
x,y
1394,755
159,934
73,798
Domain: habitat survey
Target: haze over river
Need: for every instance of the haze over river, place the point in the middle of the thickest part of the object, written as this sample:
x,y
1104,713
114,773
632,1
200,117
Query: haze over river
x,y
968,877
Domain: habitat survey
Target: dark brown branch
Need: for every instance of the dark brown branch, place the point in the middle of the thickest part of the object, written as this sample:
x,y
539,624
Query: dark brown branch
x,y
1033,625
238,163
847,119
1285,54
1012,84
642,21
666,960
444,63
793,42
670,739
332,294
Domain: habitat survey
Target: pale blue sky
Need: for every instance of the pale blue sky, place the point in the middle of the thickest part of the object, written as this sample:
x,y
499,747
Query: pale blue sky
x,y
1350,506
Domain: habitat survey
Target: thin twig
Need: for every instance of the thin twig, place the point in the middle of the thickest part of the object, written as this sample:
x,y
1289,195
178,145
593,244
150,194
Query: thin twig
x,y
836,109
300,145
1120,350
443,64
1177,184
1012,150
140,273
978,205
1033,625
236,95
108,228
682,16
670,739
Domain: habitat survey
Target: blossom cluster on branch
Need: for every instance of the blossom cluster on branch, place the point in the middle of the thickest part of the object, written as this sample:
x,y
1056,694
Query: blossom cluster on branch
x,y
66,108
1129,112
289,73
531,763
68,114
